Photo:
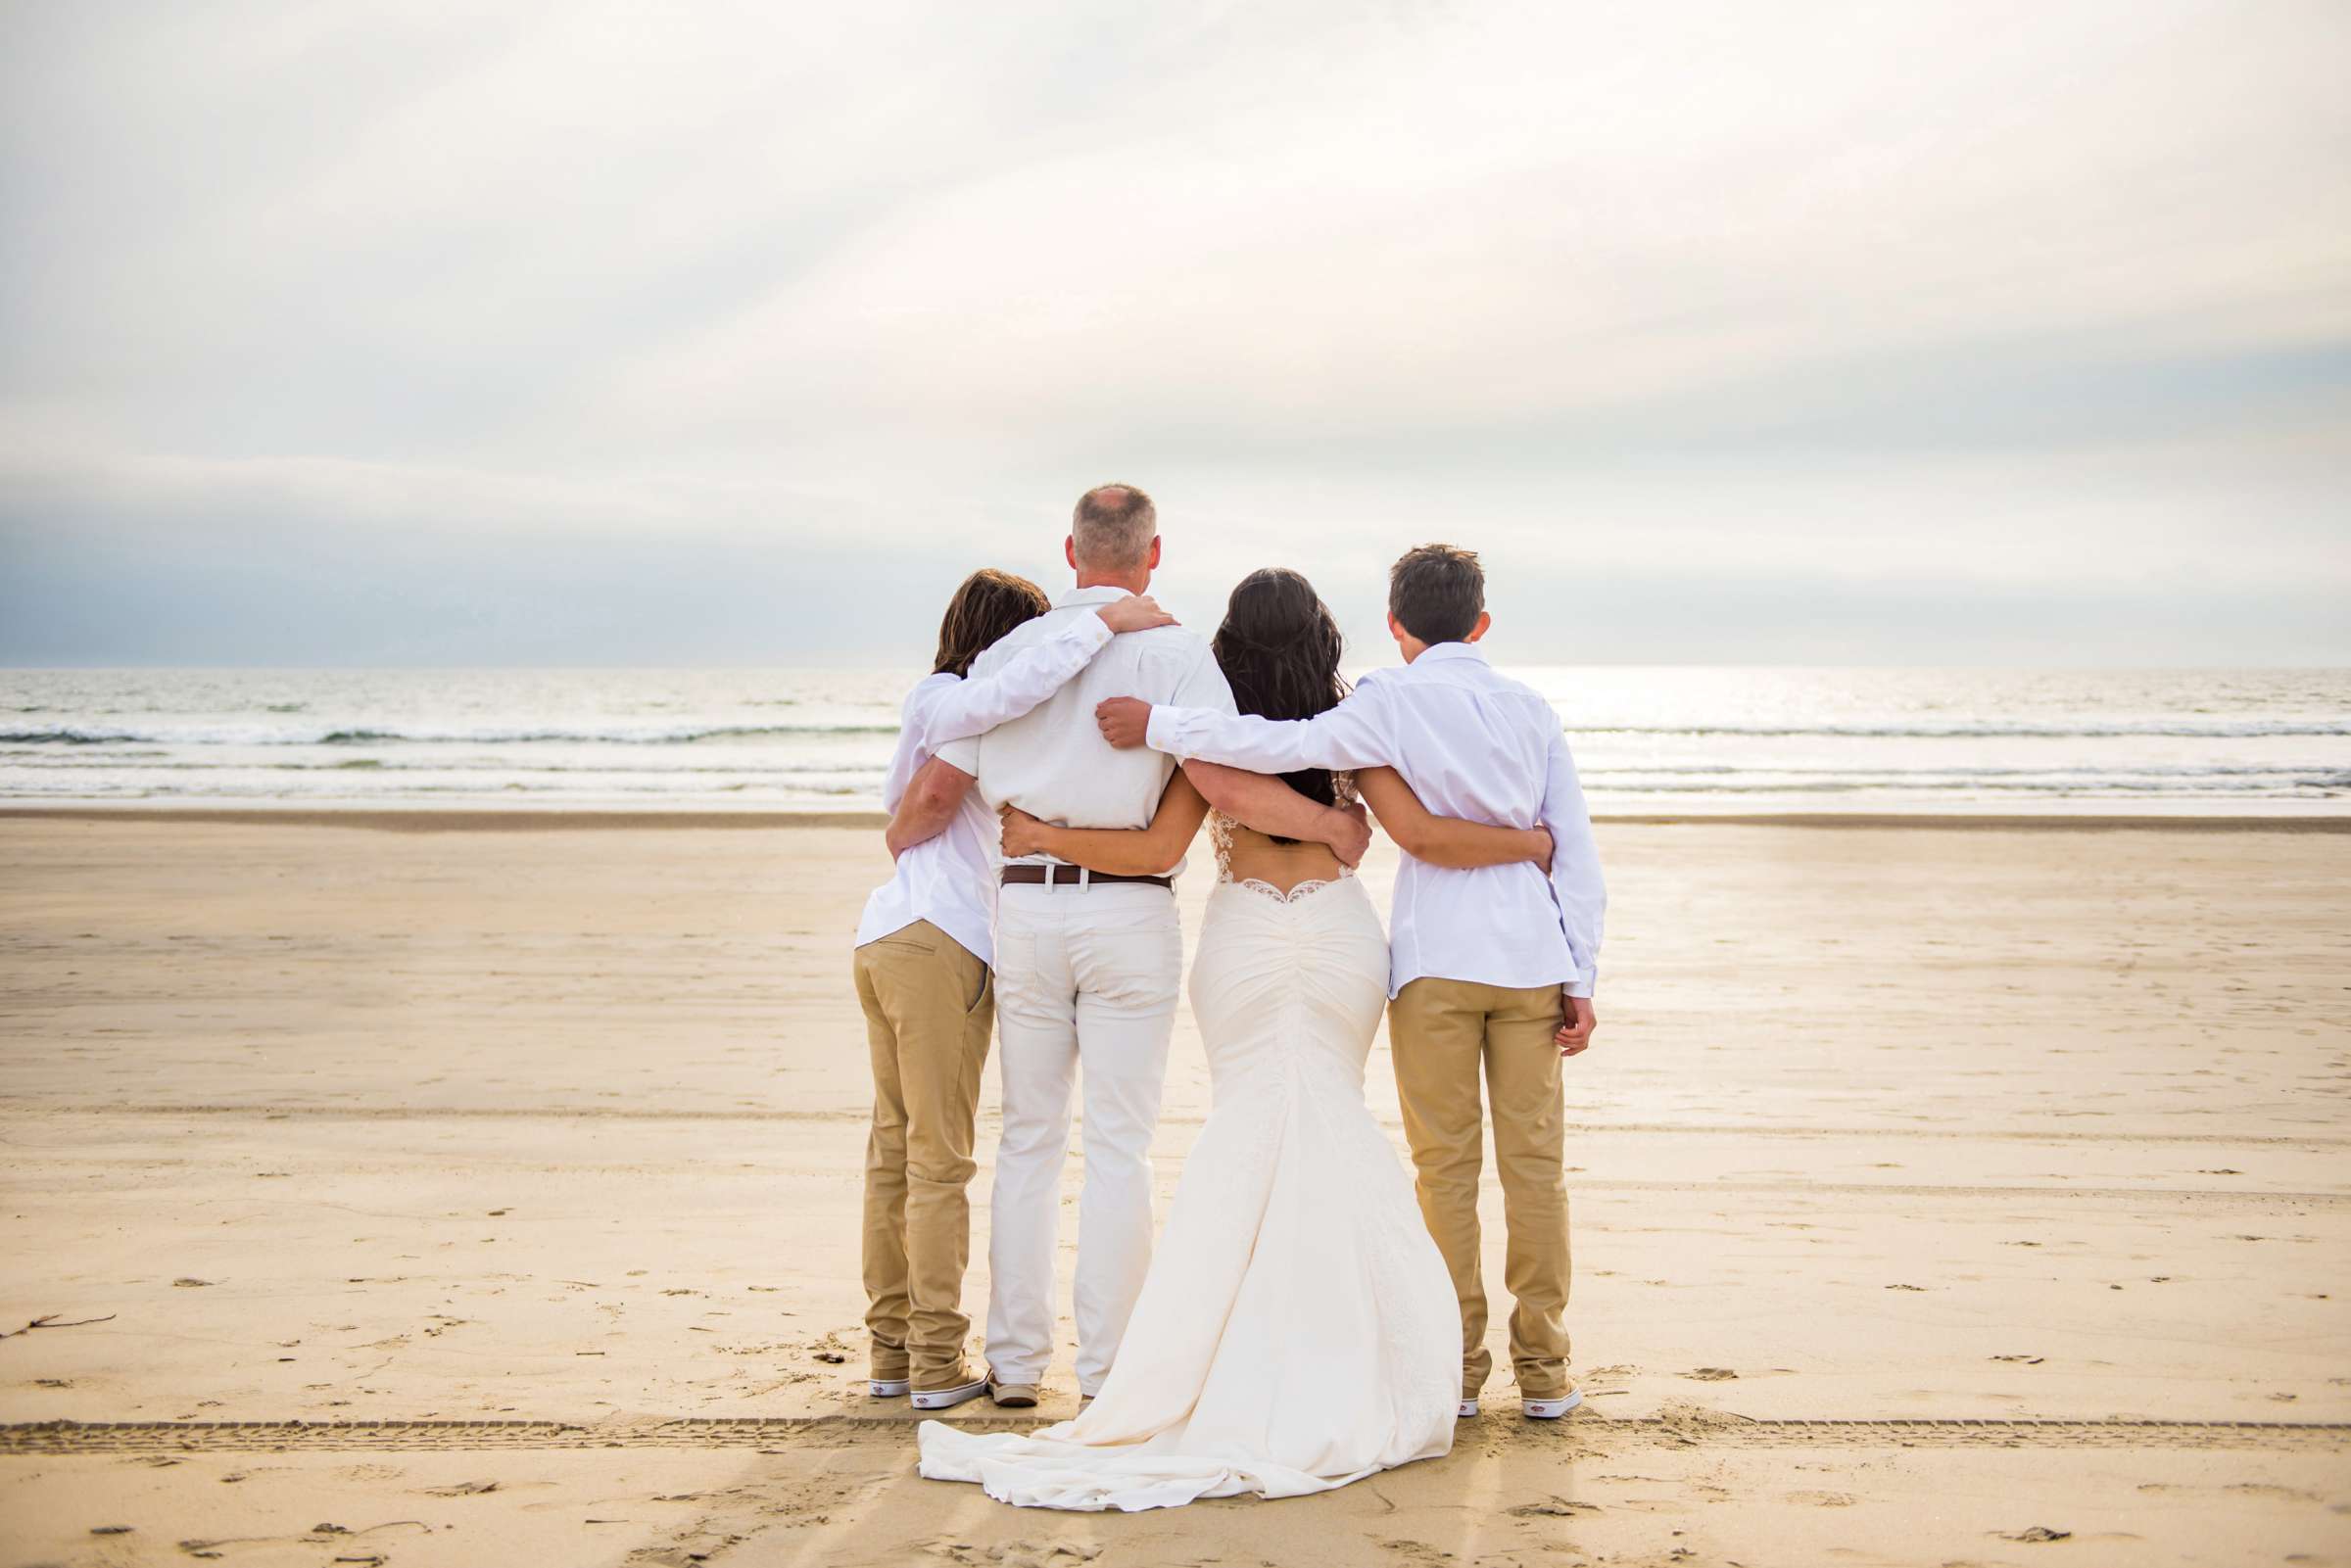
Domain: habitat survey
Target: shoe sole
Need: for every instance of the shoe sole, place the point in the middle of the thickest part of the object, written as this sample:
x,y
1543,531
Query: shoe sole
x,y
948,1398
1019,1402
883,1388
1551,1409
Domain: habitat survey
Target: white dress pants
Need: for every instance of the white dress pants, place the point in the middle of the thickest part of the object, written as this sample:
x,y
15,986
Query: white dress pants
x,y
1086,982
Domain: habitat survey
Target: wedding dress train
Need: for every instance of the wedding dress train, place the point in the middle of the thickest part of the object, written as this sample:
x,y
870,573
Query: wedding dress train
x,y
1298,1330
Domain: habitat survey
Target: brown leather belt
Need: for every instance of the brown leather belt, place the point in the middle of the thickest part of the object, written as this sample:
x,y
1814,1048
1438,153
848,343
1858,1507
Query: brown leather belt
x,y
1073,877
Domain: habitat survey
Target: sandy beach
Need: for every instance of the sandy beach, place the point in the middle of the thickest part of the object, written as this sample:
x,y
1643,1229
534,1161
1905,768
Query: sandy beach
x,y
462,1194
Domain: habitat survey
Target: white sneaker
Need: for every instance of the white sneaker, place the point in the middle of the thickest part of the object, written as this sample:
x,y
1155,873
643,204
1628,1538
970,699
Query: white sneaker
x,y
1551,1409
889,1388
1468,1408
948,1398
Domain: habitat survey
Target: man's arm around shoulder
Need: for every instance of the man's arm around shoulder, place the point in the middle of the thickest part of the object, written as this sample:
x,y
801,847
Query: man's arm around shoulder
x,y
1272,807
1002,687
1352,734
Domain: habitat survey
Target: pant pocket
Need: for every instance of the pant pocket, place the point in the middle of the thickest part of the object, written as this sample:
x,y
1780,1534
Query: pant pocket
x,y
903,944
1013,981
1137,965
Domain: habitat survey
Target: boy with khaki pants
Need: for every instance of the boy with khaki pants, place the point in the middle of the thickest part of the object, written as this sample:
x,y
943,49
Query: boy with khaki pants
x,y
1490,968
1444,1031
930,1004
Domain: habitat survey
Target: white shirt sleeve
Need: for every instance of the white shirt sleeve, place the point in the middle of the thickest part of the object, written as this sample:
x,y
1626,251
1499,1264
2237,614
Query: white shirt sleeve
x,y
1011,688
1204,687
961,754
1575,879
1352,734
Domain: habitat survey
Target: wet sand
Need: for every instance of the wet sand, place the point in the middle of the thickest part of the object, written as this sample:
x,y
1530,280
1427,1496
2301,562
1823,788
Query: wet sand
x,y
2040,1129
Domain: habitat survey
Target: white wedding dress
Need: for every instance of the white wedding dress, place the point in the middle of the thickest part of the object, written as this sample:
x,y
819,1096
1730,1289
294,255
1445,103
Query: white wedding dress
x,y
1298,1330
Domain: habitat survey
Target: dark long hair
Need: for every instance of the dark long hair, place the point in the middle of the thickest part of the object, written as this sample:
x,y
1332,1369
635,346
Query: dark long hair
x,y
1280,649
987,604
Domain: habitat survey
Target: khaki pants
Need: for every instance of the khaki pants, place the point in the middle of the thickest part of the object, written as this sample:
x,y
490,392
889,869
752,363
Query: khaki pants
x,y
929,1006
1442,1031
1086,982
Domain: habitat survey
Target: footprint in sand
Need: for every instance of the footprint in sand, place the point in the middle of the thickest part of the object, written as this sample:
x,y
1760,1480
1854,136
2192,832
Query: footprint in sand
x,y
1062,1554
1551,1508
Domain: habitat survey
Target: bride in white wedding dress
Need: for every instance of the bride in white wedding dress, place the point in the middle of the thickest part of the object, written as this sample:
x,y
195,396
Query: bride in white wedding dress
x,y
1298,1329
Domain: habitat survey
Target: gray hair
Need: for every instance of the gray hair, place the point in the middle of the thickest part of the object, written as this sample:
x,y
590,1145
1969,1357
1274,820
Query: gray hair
x,y
1113,527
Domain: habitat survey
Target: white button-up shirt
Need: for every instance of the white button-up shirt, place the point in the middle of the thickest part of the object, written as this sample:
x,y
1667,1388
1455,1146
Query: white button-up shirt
x,y
1053,763
950,880
1473,744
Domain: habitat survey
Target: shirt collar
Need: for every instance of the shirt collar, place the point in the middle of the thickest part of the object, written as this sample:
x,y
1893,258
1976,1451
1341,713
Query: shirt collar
x,y
1441,652
1099,594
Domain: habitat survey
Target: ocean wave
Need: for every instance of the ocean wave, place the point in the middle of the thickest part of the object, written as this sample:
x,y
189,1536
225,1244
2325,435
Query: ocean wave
x,y
1616,773
256,735
672,735
2325,787
1993,729
1635,780
67,790
115,762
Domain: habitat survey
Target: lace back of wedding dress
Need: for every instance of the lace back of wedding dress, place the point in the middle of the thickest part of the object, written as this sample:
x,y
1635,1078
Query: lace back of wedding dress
x,y
1220,835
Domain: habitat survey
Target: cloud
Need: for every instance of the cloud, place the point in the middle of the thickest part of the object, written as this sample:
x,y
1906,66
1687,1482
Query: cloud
x,y
2041,307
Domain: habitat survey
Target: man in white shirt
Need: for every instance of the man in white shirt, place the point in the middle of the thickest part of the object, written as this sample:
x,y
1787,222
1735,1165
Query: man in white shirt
x,y
923,958
1490,967
1089,968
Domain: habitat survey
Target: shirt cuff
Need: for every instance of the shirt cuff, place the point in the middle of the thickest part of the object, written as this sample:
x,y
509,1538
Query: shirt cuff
x,y
1096,630
1159,735
1581,984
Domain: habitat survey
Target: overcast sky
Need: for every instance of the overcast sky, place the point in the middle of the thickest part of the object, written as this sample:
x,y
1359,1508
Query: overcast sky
x,y
607,334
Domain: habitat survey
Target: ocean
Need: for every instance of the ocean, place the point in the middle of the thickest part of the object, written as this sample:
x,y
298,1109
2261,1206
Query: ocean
x,y
1680,739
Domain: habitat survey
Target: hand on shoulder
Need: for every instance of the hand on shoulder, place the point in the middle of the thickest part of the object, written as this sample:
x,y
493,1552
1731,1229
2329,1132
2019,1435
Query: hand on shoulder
x,y
1137,612
1350,840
